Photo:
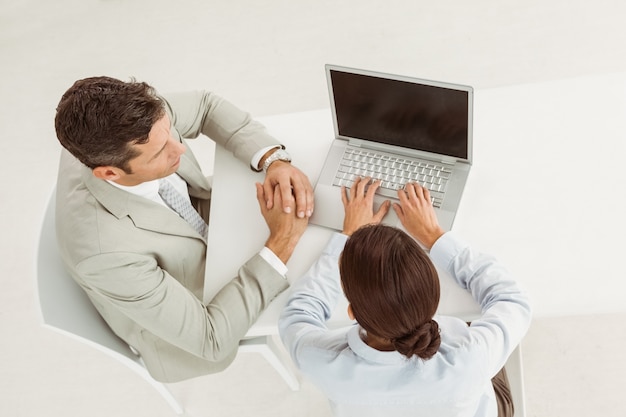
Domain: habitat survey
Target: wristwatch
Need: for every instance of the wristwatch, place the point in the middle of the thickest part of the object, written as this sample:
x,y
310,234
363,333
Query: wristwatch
x,y
277,155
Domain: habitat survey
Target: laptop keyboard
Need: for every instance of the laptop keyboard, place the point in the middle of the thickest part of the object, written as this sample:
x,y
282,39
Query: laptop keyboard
x,y
393,171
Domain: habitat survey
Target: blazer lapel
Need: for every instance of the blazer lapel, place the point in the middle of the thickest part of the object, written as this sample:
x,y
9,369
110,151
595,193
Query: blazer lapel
x,y
191,172
144,213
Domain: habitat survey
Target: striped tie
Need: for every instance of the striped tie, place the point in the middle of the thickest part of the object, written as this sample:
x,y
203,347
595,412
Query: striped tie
x,y
183,207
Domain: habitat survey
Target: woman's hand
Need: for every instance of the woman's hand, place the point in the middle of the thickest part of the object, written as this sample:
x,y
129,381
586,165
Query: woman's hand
x,y
359,205
417,214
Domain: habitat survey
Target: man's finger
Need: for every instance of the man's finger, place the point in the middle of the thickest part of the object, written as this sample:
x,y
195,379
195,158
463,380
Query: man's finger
x,y
260,196
310,200
278,197
286,196
301,198
268,189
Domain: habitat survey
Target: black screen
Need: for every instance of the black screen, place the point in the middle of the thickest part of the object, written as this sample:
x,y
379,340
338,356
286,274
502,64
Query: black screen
x,y
402,113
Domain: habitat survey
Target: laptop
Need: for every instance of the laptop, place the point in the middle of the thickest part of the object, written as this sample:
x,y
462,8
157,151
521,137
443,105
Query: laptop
x,y
397,129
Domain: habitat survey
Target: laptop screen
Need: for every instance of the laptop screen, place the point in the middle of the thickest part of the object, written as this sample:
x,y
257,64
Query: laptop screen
x,y
417,114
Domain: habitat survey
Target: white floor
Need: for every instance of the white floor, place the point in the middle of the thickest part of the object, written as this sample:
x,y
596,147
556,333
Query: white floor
x,y
268,56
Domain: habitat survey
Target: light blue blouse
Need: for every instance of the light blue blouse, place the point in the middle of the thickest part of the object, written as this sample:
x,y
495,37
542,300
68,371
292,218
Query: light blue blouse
x,y
361,381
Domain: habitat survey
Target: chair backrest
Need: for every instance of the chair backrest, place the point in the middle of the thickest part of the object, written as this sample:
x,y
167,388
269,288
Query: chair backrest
x,y
64,305
66,308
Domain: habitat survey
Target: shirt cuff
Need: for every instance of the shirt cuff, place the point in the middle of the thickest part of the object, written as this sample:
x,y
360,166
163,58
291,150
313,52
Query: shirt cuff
x,y
256,158
445,249
274,261
335,244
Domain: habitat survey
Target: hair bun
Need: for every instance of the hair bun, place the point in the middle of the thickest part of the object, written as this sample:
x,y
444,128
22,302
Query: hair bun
x,y
424,341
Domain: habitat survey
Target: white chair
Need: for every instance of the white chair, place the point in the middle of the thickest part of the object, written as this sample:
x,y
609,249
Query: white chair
x,y
66,308
515,372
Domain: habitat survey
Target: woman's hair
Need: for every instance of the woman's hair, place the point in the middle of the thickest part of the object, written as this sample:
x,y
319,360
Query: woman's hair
x,y
393,289
99,118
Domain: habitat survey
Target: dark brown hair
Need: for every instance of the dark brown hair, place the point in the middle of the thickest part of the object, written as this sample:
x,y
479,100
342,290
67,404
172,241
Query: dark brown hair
x,y
393,289
99,118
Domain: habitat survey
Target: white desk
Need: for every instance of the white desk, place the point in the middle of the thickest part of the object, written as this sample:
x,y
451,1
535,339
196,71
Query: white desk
x,y
557,238
240,230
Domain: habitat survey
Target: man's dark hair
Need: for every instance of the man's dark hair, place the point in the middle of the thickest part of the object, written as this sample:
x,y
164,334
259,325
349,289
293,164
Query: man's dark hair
x,y
393,289
99,118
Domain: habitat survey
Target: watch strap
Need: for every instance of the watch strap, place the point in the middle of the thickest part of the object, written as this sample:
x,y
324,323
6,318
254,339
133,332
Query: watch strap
x,y
278,155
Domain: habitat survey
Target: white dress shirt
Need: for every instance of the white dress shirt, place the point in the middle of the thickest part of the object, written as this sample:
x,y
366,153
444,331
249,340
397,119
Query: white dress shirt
x,y
362,381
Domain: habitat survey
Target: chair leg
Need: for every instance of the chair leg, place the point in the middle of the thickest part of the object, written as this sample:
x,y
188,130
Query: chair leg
x,y
274,354
515,370
169,398
167,395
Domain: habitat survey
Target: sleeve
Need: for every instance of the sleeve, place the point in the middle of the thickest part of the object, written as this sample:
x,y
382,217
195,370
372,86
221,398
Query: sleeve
x,y
202,112
140,290
505,309
312,299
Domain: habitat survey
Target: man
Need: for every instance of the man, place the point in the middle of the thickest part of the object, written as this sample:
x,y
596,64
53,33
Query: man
x,y
132,207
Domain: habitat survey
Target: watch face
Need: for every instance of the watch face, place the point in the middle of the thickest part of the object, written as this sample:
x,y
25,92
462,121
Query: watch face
x,y
282,155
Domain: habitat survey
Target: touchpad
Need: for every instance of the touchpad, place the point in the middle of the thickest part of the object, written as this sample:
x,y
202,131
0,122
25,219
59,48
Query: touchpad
x,y
391,218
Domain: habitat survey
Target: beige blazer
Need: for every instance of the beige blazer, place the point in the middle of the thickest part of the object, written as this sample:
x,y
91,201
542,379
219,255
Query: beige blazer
x,y
143,266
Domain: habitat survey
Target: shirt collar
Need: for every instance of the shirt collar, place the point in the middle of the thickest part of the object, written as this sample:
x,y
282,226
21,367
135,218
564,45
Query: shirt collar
x,y
362,349
146,189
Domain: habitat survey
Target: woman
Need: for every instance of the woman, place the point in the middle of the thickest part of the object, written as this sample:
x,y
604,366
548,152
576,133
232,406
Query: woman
x,y
401,358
